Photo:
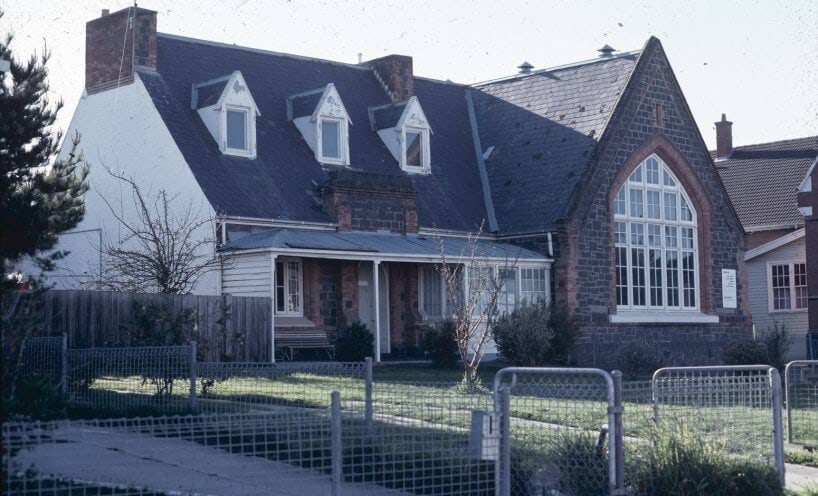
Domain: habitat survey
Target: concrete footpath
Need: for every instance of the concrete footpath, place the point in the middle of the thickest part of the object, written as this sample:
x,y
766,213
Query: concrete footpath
x,y
112,458
800,477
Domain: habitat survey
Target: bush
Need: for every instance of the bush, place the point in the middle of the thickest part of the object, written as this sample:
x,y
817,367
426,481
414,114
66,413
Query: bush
x,y
682,463
535,335
35,397
439,343
354,343
769,348
637,359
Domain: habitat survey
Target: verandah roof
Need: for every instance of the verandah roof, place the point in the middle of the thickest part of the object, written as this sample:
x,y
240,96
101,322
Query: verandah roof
x,y
374,245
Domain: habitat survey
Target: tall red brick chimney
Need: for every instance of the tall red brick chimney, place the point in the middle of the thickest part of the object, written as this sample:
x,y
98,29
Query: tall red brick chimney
x,y
724,137
395,71
116,44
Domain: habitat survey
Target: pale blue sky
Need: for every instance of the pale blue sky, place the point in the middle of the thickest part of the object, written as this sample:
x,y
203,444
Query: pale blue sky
x,y
757,61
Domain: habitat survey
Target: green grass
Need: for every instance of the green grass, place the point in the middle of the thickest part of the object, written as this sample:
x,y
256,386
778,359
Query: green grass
x,y
801,457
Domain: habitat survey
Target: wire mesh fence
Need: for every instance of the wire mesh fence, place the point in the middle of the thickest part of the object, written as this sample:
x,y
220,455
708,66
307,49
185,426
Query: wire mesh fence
x,y
736,410
132,381
43,359
801,392
556,427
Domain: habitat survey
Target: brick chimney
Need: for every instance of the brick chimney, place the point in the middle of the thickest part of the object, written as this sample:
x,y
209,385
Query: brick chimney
x,y
395,72
724,137
116,44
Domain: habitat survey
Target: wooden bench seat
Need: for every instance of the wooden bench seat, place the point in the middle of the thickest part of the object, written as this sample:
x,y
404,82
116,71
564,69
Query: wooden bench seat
x,y
290,340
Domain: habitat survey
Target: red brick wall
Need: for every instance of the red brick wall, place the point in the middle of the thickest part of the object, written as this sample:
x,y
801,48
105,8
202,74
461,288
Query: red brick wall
x,y
810,199
395,71
371,202
348,297
756,239
110,51
403,304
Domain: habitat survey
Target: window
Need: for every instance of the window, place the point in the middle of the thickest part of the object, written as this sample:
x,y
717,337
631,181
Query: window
x,y
331,139
788,286
527,284
288,293
237,130
414,149
655,242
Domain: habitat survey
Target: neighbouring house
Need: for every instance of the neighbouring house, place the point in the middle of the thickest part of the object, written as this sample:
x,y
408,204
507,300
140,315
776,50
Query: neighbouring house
x,y
762,181
808,206
335,186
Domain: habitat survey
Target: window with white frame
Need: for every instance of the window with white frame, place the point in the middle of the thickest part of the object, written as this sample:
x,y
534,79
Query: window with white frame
x,y
788,286
331,149
414,155
236,127
655,242
522,284
289,289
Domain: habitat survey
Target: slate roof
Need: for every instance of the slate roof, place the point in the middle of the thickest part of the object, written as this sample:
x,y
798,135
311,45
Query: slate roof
x,y
382,243
209,94
304,105
544,128
281,182
762,181
388,116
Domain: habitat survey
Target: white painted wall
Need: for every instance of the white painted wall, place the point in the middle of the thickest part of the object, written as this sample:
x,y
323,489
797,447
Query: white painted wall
x,y
759,291
248,275
121,129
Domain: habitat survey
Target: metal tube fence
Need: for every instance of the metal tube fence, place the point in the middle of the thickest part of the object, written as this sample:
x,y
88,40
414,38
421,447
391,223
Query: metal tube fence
x,y
735,409
563,430
801,399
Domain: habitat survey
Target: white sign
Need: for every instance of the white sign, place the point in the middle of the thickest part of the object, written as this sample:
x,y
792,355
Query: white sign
x,y
728,288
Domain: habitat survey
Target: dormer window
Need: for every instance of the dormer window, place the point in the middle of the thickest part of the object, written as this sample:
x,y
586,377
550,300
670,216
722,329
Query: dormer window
x,y
237,130
405,131
414,149
330,139
324,123
229,112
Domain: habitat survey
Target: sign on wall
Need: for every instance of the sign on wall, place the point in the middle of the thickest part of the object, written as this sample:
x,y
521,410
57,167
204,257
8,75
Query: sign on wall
x,y
728,288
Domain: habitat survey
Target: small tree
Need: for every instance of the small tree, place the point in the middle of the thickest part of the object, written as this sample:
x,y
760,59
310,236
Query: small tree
x,y
472,308
167,247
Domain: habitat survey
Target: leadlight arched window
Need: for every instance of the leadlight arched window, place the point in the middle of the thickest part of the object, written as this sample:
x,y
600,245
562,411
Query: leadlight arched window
x,y
655,241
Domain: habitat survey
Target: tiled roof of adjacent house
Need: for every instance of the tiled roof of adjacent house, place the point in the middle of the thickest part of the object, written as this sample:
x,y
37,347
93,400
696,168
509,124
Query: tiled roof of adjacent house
x,y
543,126
762,181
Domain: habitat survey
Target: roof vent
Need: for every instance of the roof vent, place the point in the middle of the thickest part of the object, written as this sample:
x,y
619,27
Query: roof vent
x,y
525,68
606,51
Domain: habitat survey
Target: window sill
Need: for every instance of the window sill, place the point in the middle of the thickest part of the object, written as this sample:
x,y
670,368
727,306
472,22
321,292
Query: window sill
x,y
646,317
798,310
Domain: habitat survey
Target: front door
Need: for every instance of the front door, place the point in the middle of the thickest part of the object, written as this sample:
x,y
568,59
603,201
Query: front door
x,y
366,302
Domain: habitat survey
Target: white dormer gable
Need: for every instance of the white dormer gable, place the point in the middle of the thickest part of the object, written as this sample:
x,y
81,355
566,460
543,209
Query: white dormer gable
x,y
324,123
229,112
408,137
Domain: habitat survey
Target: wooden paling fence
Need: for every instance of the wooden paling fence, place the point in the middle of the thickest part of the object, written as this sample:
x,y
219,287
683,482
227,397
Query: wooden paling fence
x,y
104,318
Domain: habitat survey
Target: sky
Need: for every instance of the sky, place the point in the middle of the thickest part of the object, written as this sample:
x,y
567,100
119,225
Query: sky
x,y
756,61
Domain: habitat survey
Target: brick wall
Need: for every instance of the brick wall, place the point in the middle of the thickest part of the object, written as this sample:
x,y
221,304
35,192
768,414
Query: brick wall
x,y
584,271
321,295
395,72
111,52
810,200
758,238
371,202
403,305
348,298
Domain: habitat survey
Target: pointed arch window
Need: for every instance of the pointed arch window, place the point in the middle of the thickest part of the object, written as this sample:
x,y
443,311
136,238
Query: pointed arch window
x,y
655,242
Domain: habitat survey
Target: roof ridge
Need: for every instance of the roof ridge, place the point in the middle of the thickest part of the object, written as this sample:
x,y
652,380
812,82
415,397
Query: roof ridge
x,y
813,137
260,50
570,65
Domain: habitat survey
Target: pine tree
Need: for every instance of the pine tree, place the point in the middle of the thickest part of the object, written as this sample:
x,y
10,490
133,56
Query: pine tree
x,y
40,197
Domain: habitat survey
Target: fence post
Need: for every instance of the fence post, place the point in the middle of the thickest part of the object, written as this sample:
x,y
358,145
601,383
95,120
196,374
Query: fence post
x,y
617,433
787,401
778,434
368,395
654,395
336,444
64,368
193,377
502,475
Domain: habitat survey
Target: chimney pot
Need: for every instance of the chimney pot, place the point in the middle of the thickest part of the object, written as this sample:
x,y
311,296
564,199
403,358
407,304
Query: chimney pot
x,y
606,51
105,12
724,137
